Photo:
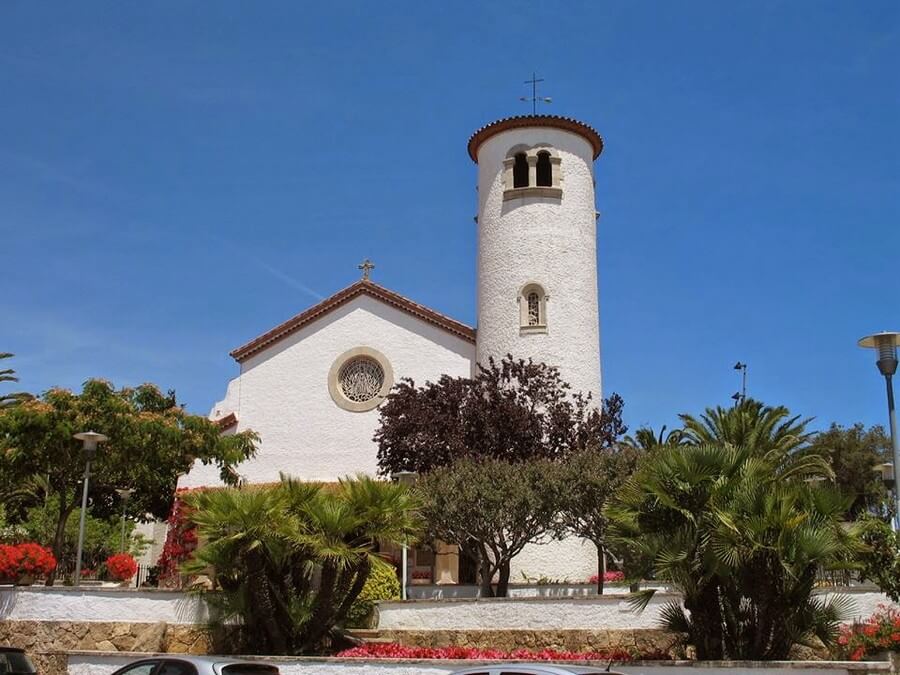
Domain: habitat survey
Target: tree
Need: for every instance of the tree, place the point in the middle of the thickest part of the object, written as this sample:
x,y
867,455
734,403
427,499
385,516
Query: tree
x,y
512,410
491,509
749,423
588,480
291,560
854,454
741,533
647,439
9,375
152,440
880,561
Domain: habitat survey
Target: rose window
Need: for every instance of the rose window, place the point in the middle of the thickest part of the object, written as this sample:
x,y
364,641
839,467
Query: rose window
x,y
361,379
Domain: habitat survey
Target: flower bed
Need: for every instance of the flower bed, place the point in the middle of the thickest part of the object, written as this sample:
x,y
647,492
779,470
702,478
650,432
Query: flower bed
x,y
879,633
396,651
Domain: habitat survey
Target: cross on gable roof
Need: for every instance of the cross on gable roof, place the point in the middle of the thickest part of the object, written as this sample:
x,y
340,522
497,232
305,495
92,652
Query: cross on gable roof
x,y
361,287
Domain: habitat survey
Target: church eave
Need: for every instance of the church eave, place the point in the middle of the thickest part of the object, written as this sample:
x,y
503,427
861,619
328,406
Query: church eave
x,y
523,121
362,287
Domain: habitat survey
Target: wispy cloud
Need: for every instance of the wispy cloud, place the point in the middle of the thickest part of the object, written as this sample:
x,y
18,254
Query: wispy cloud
x,y
281,275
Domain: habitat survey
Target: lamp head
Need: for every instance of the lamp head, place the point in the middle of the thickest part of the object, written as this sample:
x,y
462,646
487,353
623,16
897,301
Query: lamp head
x,y
404,477
885,345
90,439
739,365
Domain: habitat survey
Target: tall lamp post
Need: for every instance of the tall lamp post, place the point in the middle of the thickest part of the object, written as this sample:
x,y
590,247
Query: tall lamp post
x,y
90,439
404,478
739,396
124,495
885,346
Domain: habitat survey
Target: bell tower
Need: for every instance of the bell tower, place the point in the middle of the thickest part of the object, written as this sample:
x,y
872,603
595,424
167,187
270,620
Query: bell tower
x,y
537,245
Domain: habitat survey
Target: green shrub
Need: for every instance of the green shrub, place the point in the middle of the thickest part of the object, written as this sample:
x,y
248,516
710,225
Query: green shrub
x,y
382,584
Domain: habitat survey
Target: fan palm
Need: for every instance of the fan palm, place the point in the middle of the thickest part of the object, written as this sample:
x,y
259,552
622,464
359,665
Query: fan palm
x,y
741,535
292,559
750,424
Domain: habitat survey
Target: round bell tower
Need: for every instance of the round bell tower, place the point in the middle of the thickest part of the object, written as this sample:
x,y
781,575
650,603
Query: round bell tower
x,y
537,235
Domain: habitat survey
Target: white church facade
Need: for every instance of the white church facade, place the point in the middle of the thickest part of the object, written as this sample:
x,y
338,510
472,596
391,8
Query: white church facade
x,y
311,386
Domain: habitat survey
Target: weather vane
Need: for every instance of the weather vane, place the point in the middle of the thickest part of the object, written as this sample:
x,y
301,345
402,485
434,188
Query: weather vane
x,y
366,266
534,97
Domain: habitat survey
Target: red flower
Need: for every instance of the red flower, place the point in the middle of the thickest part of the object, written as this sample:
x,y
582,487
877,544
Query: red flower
x,y
121,566
396,651
28,559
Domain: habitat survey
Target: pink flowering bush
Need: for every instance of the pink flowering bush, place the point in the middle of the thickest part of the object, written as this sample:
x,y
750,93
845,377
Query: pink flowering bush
x,y
609,578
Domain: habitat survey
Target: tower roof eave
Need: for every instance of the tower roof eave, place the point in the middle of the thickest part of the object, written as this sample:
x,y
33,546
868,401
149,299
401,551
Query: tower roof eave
x,y
523,121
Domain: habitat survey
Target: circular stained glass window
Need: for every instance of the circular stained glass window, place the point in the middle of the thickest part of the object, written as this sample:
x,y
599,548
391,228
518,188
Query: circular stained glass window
x,y
361,379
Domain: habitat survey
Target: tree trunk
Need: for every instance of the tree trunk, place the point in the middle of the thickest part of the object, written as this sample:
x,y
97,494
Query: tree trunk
x,y
487,576
59,537
503,580
601,567
362,574
322,616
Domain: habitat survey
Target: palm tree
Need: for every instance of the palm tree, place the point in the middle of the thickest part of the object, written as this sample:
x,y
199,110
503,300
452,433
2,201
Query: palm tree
x,y
9,375
291,560
647,439
750,424
741,534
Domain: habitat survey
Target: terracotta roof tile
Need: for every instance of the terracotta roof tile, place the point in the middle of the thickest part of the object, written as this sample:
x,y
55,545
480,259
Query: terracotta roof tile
x,y
520,121
362,287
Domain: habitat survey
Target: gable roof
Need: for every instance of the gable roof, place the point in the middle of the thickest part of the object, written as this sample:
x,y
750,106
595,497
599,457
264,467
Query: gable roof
x,y
361,287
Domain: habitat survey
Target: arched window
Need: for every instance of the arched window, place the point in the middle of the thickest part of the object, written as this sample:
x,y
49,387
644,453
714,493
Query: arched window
x,y
520,171
544,170
533,309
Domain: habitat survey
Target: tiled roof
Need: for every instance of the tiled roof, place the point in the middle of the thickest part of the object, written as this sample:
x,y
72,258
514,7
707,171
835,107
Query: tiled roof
x,y
227,422
362,287
521,121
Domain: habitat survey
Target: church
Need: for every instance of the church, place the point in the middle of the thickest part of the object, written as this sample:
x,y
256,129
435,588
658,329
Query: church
x,y
311,386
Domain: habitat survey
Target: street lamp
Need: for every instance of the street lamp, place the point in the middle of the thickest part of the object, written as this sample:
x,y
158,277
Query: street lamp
x,y
885,345
404,478
124,495
90,439
739,396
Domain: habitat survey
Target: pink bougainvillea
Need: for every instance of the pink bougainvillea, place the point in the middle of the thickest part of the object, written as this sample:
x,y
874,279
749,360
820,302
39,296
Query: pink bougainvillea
x,y
396,651
609,577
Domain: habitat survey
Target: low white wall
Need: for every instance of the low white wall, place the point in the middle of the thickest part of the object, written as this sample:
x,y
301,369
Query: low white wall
x,y
606,612
103,664
536,613
60,603
91,604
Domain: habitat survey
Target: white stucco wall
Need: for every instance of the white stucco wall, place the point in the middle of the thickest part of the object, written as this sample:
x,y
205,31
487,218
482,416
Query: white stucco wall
x,y
282,392
607,612
551,242
95,604
598,612
84,663
571,559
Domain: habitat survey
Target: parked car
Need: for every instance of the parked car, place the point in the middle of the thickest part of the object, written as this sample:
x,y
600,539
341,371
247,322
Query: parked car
x,y
196,665
13,661
534,669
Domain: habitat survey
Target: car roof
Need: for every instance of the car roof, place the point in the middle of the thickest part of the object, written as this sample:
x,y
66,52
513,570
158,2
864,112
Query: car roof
x,y
11,649
537,668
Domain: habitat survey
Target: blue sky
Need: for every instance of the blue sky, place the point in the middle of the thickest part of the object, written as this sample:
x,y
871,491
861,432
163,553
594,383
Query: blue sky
x,y
176,178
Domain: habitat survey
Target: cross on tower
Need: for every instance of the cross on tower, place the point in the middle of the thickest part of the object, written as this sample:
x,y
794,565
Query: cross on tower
x,y
366,266
534,97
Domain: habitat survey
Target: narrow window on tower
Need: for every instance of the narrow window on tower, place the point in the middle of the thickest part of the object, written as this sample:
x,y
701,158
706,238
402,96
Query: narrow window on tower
x,y
544,169
533,309
520,171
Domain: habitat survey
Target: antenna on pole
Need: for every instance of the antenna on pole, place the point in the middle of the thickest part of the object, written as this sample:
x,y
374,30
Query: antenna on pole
x,y
535,99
